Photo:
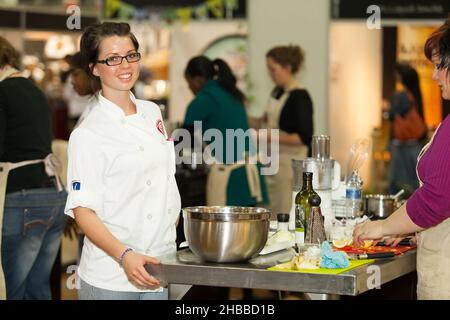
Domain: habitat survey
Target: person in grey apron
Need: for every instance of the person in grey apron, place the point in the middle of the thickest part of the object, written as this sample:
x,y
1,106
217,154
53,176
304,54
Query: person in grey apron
x,y
290,111
31,195
427,211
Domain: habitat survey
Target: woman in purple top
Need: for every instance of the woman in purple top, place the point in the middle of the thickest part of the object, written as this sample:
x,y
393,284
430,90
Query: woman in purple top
x,y
428,209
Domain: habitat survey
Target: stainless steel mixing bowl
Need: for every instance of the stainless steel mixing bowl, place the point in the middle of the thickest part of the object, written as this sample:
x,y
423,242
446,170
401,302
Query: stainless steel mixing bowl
x,y
226,234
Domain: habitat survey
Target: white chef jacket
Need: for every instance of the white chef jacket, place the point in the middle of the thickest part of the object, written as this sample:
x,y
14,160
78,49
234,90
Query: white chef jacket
x,y
123,168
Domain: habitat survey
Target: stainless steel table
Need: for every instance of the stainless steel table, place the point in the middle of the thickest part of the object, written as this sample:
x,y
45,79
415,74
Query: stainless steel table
x,y
186,268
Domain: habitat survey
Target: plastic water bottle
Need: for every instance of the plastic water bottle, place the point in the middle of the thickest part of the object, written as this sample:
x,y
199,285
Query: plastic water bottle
x,y
353,195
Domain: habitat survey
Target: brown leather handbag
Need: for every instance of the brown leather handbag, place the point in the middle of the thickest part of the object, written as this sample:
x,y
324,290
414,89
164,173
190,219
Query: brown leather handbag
x,y
411,126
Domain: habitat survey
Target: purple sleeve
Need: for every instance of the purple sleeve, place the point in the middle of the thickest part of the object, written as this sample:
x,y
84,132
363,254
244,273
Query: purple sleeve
x,y
430,204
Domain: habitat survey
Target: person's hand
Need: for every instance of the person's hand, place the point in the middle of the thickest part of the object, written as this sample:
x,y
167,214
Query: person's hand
x,y
394,241
70,228
133,263
370,230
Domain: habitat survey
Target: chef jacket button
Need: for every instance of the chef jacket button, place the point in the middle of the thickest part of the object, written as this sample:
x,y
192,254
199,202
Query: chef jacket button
x,y
124,121
149,183
141,148
143,116
149,217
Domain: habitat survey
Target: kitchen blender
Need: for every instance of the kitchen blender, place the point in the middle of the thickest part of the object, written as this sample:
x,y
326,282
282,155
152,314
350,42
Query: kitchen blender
x,y
326,175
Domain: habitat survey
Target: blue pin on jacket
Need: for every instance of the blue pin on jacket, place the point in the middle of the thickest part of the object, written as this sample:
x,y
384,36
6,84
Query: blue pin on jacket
x,y
76,185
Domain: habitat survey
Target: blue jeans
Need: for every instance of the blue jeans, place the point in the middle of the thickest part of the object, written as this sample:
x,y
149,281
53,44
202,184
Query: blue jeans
x,y
88,292
33,223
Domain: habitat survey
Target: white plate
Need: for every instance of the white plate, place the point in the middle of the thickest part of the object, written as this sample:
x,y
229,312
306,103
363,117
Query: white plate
x,y
277,247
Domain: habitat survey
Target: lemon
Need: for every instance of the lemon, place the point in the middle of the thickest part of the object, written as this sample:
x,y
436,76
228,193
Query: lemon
x,y
367,244
340,243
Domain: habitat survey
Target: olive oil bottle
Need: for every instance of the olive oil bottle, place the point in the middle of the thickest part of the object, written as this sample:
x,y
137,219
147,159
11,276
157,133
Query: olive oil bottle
x,y
302,198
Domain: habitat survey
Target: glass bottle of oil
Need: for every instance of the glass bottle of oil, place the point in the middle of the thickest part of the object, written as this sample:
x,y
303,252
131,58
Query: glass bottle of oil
x,y
302,198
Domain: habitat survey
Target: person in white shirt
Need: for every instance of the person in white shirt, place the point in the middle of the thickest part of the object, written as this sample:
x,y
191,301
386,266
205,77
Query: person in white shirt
x,y
121,171
76,103
82,85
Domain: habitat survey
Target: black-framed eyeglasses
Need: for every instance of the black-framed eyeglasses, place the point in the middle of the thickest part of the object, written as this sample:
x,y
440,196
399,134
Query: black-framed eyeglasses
x,y
116,60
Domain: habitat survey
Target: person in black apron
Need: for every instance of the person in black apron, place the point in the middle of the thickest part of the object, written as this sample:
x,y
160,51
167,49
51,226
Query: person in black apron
x,y
290,110
31,196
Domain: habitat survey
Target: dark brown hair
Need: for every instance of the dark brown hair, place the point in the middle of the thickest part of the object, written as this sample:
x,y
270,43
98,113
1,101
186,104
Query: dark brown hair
x,y
287,55
8,55
410,79
90,44
202,66
439,44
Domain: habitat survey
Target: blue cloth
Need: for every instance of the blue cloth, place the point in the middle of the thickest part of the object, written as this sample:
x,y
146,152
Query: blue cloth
x,y
88,292
333,259
33,223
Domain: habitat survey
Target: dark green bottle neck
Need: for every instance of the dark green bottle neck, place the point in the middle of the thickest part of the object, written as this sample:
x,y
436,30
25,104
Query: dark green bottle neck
x,y
307,184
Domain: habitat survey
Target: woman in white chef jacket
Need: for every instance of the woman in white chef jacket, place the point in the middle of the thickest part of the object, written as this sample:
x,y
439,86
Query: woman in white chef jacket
x,y
123,192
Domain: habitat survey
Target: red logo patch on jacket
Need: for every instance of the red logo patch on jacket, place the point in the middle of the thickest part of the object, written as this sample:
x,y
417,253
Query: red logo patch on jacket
x,y
160,127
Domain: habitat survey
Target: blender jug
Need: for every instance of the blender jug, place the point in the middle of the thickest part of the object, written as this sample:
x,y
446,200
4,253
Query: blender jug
x,y
326,174
326,177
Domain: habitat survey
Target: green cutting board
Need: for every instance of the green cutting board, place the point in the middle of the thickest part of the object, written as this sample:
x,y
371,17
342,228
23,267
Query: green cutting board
x,y
353,264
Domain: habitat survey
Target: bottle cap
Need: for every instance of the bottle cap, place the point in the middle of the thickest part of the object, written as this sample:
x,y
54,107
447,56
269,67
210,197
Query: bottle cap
x,y
283,217
307,175
314,200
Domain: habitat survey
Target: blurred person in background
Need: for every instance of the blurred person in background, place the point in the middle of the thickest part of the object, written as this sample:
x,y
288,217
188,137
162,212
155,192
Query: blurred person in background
x,y
427,211
219,104
83,86
65,68
77,95
290,109
31,196
402,172
140,88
